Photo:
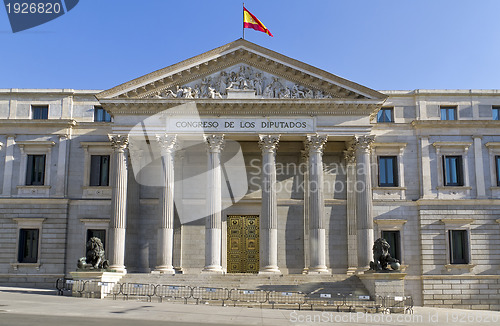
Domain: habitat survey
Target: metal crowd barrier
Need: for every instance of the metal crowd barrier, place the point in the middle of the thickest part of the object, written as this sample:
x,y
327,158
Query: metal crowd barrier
x,y
138,290
209,294
287,298
402,304
249,296
174,292
64,284
325,300
90,288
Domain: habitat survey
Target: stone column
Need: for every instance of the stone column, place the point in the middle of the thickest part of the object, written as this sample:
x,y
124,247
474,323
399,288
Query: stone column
x,y
165,249
364,201
269,210
350,161
425,166
317,233
8,167
61,166
118,203
478,163
213,230
304,161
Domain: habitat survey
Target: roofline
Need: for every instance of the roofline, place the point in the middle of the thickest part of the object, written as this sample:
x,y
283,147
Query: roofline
x,y
235,45
442,92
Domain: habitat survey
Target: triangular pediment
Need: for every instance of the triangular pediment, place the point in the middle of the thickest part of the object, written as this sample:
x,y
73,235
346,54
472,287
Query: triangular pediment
x,y
241,69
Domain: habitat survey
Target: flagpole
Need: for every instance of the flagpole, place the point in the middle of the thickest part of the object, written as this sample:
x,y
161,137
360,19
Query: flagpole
x,y
243,22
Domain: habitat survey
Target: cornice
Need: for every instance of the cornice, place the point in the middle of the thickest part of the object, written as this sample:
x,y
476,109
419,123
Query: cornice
x,y
422,124
37,123
247,107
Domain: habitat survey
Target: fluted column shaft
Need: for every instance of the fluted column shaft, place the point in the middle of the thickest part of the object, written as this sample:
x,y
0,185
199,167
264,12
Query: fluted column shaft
x,y
166,231
269,210
118,203
364,201
317,233
213,228
350,161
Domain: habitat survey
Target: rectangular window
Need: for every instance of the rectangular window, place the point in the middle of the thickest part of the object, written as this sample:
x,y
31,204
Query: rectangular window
x,y
40,112
453,173
496,112
388,171
497,163
101,234
394,241
28,246
459,246
448,113
35,174
99,170
100,115
385,115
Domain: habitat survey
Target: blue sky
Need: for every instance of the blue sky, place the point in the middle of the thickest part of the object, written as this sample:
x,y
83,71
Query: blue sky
x,y
381,44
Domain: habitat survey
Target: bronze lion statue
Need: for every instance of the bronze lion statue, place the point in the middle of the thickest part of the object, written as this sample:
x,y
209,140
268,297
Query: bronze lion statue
x,y
381,257
95,256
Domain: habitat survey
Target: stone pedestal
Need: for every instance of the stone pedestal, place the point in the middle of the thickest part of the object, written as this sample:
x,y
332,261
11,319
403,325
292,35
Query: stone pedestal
x,y
384,284
103,282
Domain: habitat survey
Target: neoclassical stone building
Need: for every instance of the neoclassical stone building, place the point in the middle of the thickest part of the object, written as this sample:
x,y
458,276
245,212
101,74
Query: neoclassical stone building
x,y
242,160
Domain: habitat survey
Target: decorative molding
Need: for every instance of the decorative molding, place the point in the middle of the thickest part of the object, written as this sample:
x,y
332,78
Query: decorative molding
x,y
315,143
168,143
364,143
457,221
452,144
454,124
450,267
118,142
85,144
389,222
40,143
215,143
269,143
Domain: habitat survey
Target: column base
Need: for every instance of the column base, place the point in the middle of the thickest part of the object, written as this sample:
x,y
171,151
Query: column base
x,y
165,270
118,269
362,270
318,270
270,270
351,270
213,270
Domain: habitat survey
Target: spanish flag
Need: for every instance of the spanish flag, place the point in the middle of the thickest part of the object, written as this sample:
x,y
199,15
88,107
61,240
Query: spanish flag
x,y
250,21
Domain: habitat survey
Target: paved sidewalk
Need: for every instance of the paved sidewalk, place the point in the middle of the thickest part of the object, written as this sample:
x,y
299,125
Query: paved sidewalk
x,y
20,307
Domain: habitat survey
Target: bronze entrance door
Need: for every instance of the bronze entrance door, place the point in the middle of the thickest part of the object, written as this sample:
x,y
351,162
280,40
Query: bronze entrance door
x,y
242,243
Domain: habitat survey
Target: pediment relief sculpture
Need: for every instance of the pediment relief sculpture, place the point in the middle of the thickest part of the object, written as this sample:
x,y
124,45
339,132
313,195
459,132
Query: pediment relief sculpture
x,y
240,78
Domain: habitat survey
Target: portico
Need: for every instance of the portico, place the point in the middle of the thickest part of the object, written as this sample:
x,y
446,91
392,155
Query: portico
x,y
285,113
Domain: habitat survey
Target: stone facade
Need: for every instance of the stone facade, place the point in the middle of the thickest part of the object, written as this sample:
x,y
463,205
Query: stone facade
x,y
316,189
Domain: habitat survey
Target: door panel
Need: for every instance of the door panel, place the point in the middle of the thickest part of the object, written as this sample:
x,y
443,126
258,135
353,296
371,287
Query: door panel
x,y
243,244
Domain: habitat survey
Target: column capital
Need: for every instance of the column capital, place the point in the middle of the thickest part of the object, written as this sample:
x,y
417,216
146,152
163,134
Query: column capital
x,y
119,142
168,143
269,143
350,156
364,143
315,143
215,143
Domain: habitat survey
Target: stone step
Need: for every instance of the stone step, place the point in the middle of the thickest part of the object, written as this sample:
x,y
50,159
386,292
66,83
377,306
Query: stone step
x,y
337,283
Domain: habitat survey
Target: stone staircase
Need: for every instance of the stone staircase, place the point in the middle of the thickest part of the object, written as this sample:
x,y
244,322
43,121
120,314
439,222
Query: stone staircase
x,y
334,284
